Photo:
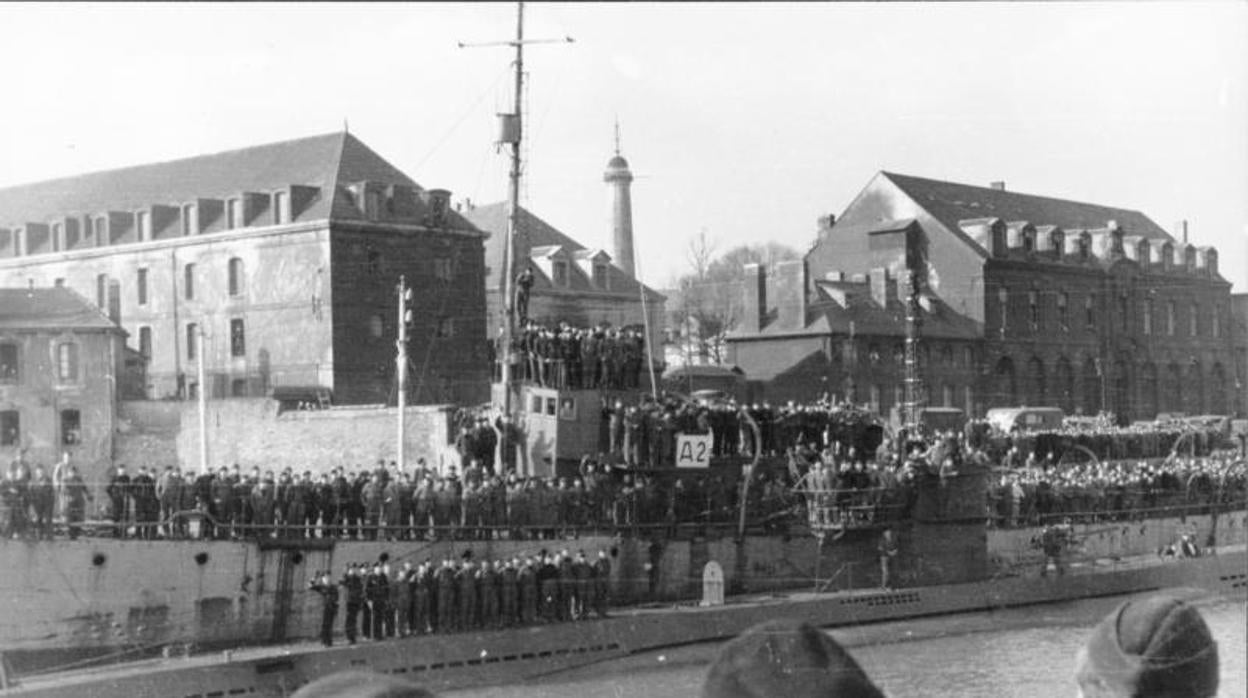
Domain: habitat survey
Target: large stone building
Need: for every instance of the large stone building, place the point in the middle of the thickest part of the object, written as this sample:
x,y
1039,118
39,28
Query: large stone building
x,y
285,255
60,358
583,286
1027,300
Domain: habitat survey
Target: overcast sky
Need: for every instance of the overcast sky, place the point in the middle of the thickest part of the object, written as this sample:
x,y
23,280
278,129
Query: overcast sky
x,y
746,120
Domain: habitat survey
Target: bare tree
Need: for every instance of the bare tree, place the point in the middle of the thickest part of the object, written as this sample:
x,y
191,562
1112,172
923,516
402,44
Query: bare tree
x,y
710,293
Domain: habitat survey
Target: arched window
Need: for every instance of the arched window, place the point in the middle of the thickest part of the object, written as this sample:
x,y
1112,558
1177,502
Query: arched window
x,y
235,276
1003,305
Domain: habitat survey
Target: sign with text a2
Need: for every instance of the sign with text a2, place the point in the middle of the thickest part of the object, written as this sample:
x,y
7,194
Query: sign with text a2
x,y
693,450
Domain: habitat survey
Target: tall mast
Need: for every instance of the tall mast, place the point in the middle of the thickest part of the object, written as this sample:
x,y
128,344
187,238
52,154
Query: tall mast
x,y
513,215
512,129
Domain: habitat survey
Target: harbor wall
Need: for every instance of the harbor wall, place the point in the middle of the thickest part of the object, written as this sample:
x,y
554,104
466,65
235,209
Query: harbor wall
x,y
252,432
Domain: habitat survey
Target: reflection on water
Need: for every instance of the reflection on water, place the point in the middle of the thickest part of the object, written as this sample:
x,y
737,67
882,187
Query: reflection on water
x,y
1026,653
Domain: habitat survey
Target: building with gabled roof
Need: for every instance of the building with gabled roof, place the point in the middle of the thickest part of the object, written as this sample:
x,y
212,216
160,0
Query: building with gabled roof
x,y
1026,300
286,255
571,283
60,362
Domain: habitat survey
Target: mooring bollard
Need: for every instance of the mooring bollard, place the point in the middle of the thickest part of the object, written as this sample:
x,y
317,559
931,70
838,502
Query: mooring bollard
x,y
712,584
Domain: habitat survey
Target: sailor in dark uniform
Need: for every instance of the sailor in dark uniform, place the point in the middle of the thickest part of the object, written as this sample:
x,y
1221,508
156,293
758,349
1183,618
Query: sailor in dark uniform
x,y
329,594
602,584
584,575
548,587
445,598
376,591
490,579
1054,540
354,587
526,578
467,580
509,592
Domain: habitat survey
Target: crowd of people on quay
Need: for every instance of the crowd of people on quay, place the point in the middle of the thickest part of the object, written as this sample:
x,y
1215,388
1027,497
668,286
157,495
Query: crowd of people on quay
x,y
1116,490
386,601
568,357
827,463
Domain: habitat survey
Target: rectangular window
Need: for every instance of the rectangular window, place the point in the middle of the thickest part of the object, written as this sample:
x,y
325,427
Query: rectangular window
x,y
71,427
238,387
100,229
192,340
600,276
1033,308
1193,321
235,273
372,205
10,428
67,362
1063,318
279,208
141,286
446,326
238,338
144,219
442,268
233,214
145,342
8,363
1089,312
60,282
188,281
1170,318
1146,324
101,290
560,273
1217,323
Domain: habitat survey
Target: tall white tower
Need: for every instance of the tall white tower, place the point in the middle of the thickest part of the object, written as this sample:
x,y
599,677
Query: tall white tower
x,y
619,178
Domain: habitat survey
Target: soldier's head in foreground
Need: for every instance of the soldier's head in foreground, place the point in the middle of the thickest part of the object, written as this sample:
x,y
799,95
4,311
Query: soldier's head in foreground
x,y
786,658
361,684
1156,647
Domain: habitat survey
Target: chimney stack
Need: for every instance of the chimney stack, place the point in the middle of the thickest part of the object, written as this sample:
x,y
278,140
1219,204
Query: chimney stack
x,y
754,301
825,224
791,294
1180,229
998,185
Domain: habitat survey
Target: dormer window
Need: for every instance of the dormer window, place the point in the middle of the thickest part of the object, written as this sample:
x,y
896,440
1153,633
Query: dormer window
x,y
372,204
1085,246
1029,240
188,219
233,214
559,272
143,220
601,277
281,211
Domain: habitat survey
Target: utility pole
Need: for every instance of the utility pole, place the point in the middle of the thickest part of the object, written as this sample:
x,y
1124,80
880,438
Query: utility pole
x,y
511,132
405,296
203,398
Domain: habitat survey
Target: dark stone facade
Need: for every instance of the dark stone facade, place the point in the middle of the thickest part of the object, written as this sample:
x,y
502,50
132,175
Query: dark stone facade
x,y
1028,300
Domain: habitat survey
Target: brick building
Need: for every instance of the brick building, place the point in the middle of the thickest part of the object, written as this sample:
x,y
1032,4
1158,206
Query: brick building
x,y
1028,300
59,362
285,255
